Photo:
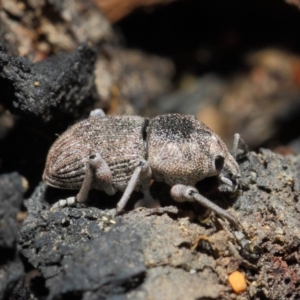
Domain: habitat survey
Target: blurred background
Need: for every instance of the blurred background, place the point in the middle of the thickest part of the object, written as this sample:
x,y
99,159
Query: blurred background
x,y
233,64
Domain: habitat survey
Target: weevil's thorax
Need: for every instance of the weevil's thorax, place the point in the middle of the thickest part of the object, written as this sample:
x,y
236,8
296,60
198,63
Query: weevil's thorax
x,y
182,150
118,139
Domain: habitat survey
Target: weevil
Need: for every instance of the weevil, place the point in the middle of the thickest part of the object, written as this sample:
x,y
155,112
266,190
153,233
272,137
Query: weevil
x,y
124,153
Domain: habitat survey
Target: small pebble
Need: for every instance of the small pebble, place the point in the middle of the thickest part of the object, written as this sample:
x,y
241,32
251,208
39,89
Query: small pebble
x,y
238,282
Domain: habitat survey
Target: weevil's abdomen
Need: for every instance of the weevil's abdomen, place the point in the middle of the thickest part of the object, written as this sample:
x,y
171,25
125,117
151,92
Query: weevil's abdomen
x,y
120,140
178,149
65,165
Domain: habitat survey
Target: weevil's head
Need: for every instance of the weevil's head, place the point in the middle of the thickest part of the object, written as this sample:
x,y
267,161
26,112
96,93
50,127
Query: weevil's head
x,y
230,174
225,165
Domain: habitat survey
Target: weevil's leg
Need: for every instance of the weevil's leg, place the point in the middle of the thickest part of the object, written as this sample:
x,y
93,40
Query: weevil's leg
x,y
142,174
182,193
87,181
97,171
235,145
102,174
98,113
238,144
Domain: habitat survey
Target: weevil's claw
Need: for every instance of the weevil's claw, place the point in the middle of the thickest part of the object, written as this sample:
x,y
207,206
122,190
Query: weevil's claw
x,y
71,201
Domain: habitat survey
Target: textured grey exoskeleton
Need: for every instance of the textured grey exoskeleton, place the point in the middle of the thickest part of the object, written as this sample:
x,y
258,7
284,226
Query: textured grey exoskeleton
x,y
123,153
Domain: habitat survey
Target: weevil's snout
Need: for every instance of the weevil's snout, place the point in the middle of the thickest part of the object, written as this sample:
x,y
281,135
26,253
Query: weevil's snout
x,y
230,174
236,183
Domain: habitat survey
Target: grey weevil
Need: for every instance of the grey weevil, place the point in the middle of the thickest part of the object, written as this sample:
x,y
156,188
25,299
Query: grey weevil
x,y
123,153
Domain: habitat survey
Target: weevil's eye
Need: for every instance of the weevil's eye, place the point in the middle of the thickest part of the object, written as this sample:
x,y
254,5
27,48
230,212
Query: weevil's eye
x,y
219,162
92,156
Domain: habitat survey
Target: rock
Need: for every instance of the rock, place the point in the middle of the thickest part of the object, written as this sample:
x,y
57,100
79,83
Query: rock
x,y
53,89
11,267
163,253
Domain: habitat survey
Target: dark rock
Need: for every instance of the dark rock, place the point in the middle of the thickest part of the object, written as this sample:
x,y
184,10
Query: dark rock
x,y
11,267
86,259
11,197
111,264
52,89
21,294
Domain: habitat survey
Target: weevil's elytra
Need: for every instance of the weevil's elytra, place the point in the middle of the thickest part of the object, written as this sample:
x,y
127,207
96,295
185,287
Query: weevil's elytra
x,y
119,141
123,153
